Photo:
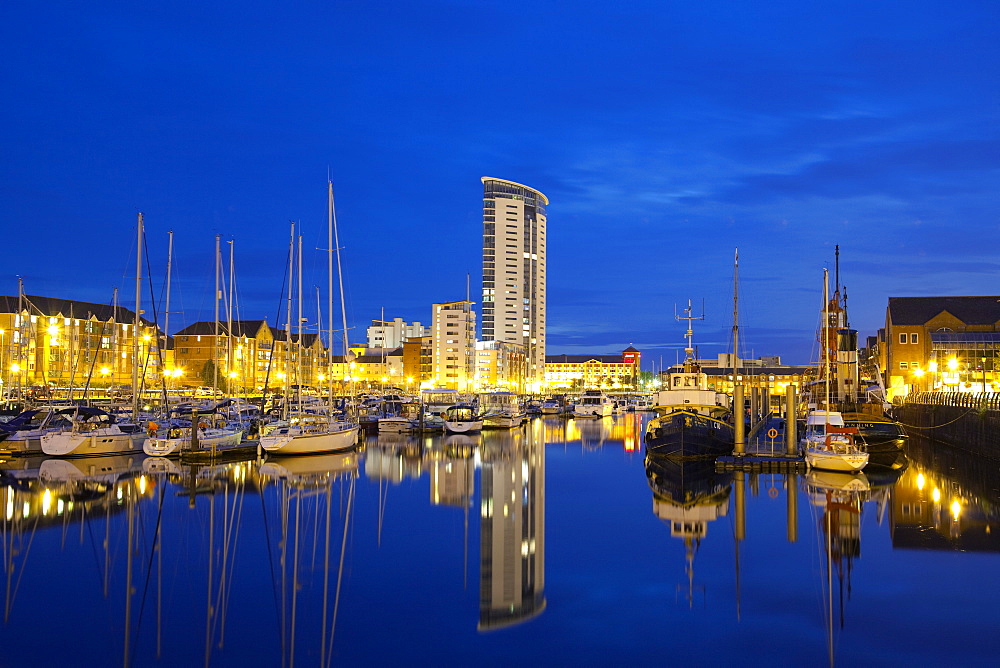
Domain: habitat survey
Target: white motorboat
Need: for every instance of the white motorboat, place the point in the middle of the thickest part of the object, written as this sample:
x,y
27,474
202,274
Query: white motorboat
x,y
500,410
462,419
593,404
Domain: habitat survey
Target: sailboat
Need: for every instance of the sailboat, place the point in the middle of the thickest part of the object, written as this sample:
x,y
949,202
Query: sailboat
x,y
315,434
691,419
93,431
827,443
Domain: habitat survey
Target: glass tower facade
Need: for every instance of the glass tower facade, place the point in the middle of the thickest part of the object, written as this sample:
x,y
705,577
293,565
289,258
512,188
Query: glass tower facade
x,y
514,270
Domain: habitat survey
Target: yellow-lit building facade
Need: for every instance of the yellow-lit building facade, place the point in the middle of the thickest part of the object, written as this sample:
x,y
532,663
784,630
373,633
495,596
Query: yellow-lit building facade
x,y
611,373
255,356
61,343
943,344
501,365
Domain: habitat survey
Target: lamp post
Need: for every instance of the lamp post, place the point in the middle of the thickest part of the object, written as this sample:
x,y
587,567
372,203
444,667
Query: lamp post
x,y
983,360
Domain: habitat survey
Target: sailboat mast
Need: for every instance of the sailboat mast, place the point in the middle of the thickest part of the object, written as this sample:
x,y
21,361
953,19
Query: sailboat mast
x,y
229,314
736,313
215,333
340,270
166,311
825,352
288,318
298,357
135,331
329,293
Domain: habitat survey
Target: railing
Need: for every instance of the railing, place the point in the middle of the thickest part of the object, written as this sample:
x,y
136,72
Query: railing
x,y
981,400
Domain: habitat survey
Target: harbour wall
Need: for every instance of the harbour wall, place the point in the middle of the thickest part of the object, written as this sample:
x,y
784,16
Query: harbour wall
x,y
974,428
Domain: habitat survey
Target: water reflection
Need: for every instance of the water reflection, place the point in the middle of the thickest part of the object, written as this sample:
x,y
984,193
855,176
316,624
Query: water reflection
x,y
593,434
946,500
170,560
688,496
512,528
307,549
838,497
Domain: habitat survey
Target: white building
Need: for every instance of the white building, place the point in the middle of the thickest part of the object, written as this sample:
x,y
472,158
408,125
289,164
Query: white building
x,y
453,345
514,270
392,333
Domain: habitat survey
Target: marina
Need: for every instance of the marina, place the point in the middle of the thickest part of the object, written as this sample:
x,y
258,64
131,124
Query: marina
x,y
469,548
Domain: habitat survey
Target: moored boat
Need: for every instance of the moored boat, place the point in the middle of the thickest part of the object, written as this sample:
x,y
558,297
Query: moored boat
x,y
691,420
462,419
829,445
311,434
92,432
500,410
593,404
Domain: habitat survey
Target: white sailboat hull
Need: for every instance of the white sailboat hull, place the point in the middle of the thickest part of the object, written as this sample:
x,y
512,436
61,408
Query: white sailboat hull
x,y
299,441
833,461
98,442
211,438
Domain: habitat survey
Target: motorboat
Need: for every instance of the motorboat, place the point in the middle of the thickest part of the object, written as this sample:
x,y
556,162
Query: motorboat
x,y
462,419
500,410
593,404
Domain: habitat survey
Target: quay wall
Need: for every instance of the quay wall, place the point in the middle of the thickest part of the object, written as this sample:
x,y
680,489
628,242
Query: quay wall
x,y
973,426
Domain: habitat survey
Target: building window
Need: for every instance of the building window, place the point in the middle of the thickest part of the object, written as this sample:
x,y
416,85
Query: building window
x,y
913,338
903,365
902,338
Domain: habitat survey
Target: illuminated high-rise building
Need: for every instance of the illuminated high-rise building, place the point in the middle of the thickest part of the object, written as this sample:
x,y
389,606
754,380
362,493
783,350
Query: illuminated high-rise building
x,y
513,307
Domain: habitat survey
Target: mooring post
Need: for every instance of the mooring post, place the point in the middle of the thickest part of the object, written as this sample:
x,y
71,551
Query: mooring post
x,y
792,499
739,414
740,503
791,437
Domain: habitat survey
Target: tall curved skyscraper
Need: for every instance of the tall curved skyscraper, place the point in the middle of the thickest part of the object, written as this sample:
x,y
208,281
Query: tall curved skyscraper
x,y
514,270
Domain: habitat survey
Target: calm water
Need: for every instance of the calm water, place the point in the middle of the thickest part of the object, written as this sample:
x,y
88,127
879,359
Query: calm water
x,y
551,545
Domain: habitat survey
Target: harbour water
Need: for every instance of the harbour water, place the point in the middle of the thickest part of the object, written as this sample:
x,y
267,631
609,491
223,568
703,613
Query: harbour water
x,y
553,544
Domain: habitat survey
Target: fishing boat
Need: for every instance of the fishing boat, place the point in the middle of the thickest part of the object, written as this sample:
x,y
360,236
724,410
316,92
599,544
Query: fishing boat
x,y
500,410
92,432
691,420
593,404
462,418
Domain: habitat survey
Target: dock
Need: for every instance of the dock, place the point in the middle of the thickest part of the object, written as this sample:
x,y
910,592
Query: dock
x,y
765,453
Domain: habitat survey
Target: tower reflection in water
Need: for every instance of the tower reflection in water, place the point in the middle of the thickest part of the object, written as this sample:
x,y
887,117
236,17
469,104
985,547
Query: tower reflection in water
x,y
512,527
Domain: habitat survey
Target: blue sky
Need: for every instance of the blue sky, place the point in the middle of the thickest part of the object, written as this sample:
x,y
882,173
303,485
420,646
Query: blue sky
x,y
665,134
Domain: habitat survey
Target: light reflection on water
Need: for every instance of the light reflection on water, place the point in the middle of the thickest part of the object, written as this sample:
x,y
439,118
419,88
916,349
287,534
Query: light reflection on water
x,y
551,544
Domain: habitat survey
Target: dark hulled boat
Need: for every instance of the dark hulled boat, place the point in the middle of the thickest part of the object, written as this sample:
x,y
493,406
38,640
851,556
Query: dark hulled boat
x,y
691,419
